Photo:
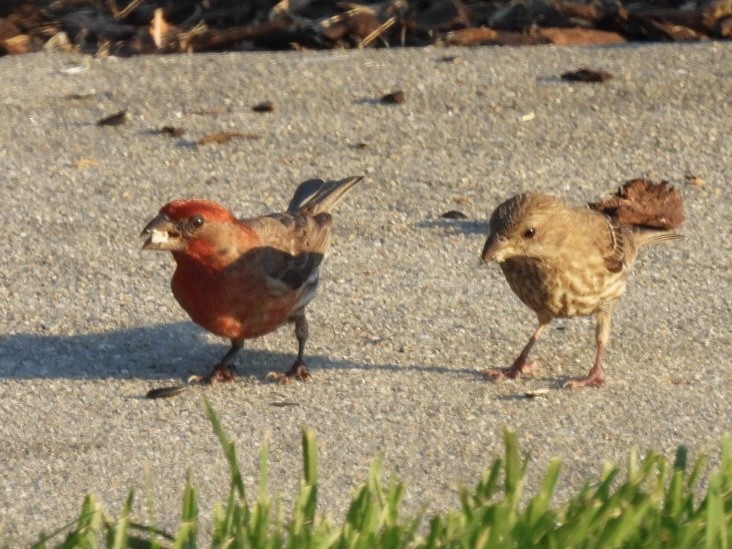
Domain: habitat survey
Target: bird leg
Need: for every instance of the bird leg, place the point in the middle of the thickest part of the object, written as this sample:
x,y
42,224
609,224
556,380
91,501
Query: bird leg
x,y
223,371
596,376
297,371
521,365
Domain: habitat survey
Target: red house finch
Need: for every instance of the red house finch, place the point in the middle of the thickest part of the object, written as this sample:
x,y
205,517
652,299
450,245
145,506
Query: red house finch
x,y
563,261
242,279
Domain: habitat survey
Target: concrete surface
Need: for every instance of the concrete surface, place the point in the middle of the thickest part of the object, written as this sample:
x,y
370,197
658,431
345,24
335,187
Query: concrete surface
x,y
406,317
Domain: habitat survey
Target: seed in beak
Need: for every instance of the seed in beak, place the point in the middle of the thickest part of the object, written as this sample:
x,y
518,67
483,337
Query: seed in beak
x,y
159,237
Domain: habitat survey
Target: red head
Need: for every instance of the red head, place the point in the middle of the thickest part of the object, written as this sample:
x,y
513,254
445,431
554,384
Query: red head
x,y
197,228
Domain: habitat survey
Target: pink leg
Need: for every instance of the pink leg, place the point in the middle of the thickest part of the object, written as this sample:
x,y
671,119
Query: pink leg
x,y
521,365
596,376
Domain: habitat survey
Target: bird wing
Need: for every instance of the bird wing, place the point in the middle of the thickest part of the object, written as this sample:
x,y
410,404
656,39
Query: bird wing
x,y
619,246
315,195
607,238
616,254
292,247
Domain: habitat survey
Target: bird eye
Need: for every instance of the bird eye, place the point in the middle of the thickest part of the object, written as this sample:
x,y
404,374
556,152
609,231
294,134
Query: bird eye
x,y
196,221
530,232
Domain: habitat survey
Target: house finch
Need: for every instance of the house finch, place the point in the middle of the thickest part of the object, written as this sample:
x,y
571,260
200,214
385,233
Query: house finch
x,y
563,261
242,279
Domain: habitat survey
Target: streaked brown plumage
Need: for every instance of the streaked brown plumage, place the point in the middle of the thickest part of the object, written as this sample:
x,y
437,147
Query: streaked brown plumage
x,y
563,261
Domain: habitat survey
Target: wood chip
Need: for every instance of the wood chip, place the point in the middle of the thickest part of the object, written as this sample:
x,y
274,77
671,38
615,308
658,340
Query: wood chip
x,y
166,392
283,403
394,98
116,119
580,37
693,180
454,214
264,106
20,43
172,131
586,75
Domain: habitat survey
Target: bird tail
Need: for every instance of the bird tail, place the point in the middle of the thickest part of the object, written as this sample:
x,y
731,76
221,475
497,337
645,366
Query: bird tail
x,y
641,203
316,195
646,238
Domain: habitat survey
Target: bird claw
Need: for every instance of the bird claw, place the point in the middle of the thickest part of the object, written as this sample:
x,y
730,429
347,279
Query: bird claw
x,y
514,371
298,372
221,373
496,375
588,381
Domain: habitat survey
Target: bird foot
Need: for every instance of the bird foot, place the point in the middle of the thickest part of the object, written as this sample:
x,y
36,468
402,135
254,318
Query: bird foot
x,y
591,380
221,373
298,372
517,369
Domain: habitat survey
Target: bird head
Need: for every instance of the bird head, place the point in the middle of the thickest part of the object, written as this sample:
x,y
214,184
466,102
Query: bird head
x,y
191,227
518,227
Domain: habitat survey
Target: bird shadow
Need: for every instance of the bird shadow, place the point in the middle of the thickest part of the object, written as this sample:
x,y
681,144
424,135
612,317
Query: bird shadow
x,y
464,226
156,352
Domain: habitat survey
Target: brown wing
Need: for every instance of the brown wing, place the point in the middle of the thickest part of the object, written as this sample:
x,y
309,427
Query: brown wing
x,y
610,239
292,248
616,255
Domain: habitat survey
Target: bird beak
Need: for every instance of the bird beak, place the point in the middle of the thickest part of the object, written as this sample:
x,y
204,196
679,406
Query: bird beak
x,y
162,234
494,248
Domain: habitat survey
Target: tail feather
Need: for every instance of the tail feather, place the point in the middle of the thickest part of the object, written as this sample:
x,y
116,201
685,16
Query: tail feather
x,y
318,196
641,203
646,238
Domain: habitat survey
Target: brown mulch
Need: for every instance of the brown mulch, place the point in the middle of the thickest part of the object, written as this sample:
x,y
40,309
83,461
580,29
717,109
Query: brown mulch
x,y
133,27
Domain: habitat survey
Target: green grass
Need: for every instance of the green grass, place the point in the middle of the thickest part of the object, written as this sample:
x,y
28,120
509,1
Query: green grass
x,y
652,503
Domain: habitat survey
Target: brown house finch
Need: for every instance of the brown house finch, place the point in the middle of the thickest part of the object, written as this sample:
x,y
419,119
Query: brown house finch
x,y
242,279
563,261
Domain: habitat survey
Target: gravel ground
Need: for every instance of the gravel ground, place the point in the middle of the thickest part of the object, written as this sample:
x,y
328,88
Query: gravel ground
x,y
406,317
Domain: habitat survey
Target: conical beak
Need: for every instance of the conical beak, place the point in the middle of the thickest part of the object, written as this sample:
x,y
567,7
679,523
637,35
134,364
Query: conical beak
x,y
161,234
493,248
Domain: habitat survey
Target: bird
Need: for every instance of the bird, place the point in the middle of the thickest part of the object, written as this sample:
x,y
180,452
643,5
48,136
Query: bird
x,y
563,261
244,278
